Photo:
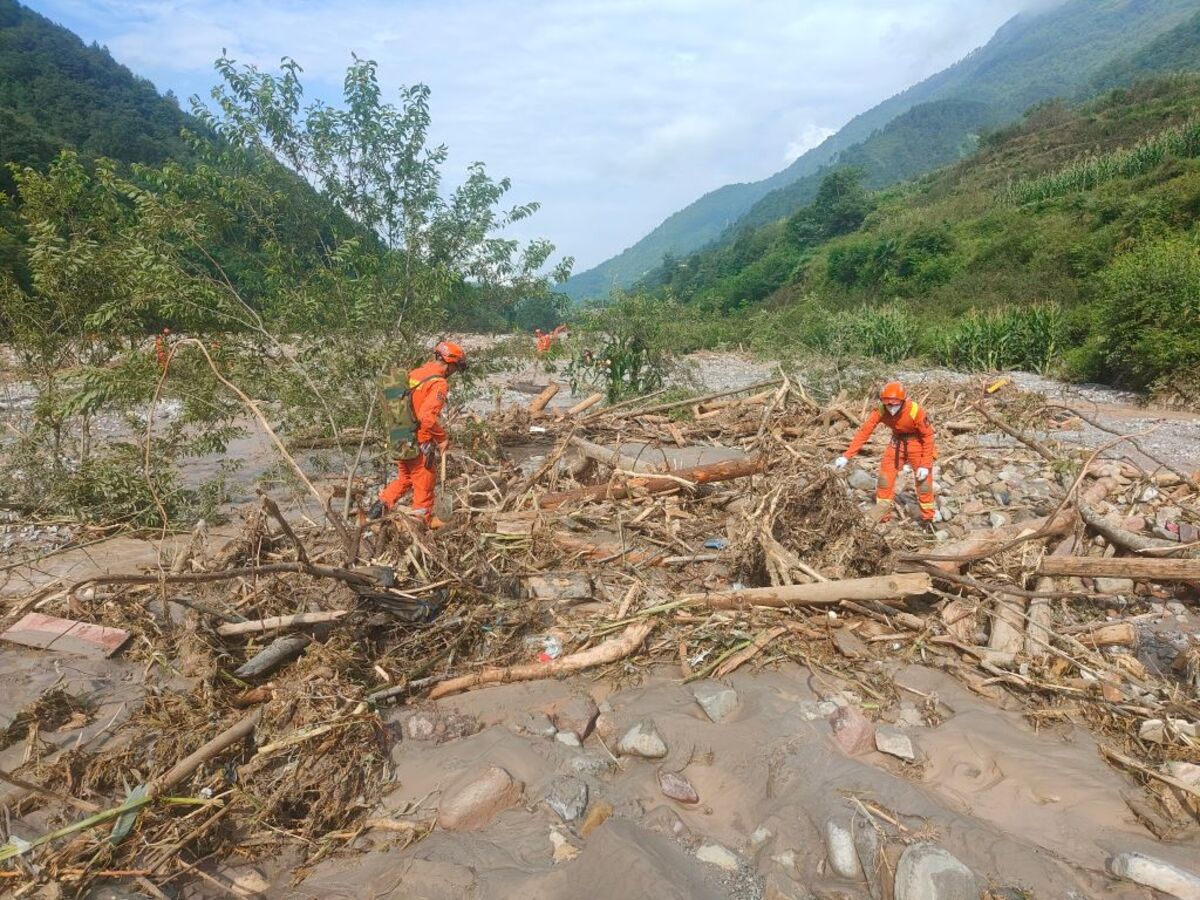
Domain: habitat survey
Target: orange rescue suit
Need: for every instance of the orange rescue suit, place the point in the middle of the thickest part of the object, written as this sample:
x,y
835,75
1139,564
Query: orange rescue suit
x,y
428,398
912,444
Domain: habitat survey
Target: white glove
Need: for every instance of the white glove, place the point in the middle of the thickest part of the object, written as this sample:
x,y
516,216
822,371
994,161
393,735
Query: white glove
x,y
922,473
841,462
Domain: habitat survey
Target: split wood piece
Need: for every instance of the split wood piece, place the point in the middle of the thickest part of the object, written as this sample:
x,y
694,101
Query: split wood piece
x,y
745,655
583,405
1036,446
278,623
189,764
1139,568
608,652
617,459
1007,636
1117,634
187,553
560,587
618,490
1039,628
274,655
1127,539
540,401
594,551
879,587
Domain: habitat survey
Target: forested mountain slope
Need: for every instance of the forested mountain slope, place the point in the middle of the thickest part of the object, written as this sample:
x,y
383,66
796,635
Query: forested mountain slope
x,y
1070,50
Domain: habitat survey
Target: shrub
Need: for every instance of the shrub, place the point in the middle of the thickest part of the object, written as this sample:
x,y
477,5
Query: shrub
x,y
1029,338
1149,312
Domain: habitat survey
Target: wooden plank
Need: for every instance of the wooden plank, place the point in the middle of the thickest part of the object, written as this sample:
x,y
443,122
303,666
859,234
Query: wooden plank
x,y
1138,568
52,633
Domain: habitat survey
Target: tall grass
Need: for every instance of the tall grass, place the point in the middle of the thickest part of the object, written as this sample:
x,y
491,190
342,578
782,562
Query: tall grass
x,y
1086,173
1028,337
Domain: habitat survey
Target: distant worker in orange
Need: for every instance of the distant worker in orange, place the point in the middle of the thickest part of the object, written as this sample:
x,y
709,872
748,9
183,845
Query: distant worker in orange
x,y
912,444
427,390
542,340
161,352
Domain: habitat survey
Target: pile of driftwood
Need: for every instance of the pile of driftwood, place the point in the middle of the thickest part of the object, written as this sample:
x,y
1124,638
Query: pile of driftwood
x,y
705,533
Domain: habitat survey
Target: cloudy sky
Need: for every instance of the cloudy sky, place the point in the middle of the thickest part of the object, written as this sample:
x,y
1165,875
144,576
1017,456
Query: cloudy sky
x,y
612,113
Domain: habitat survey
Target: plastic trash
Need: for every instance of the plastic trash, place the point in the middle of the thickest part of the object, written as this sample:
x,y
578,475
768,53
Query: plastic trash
x,y
716,543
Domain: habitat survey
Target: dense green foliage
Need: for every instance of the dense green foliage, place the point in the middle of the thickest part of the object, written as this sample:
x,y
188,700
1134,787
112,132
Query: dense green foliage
x,y
1068,240
1072,50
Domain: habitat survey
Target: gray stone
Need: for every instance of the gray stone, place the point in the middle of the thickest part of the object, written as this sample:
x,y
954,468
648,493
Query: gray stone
x,y
420,727
675,786
867,847
909,716
721,857
643,740
717,700
966,468
927,872
567,796
590,764
1188,773
843,857
577,715
569,738
997,520
478,799
539,724
1155,873
861,481
894,743
1123,586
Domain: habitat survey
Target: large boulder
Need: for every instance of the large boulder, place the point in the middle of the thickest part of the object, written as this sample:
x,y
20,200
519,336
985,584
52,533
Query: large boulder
x,y
476,800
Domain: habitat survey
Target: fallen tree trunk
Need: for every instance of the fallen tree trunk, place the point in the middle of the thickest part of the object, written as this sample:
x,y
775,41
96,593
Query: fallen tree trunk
x,y
276,623
650,484
540,401
821,593
1007,635
951,557
1139,568
616,458
1127,539
610,651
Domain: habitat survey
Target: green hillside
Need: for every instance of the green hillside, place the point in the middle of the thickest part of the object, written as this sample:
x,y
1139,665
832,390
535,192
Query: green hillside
x,y
1067,241
1061,52
57,92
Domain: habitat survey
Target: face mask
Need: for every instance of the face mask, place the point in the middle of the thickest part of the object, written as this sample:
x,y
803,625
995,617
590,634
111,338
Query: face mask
x,y
892,408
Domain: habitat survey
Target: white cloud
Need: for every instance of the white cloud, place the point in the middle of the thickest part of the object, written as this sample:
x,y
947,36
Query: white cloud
x,y
811,136
612,113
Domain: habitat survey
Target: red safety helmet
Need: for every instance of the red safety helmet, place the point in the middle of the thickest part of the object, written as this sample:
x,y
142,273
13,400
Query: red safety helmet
x,y
893,392
451,354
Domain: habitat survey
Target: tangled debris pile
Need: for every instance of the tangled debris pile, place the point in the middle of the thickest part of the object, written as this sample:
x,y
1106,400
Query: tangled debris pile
x,y
707,534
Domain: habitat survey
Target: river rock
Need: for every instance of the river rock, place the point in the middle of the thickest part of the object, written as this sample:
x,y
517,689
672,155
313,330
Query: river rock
x,y
1123,586
665,820
852,730
843,857
894,743
717,700
927,872
675,786
997,520
420,727
1154,730
569,738
643,740
478,800
867,847
1188,773
539,724
577,715
590,764
861,481
966,468
567,796
1155,873
716,855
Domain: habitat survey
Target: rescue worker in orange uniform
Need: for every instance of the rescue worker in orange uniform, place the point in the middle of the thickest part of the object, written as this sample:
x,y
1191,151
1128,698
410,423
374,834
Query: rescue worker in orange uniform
x,y
912,444
430,388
